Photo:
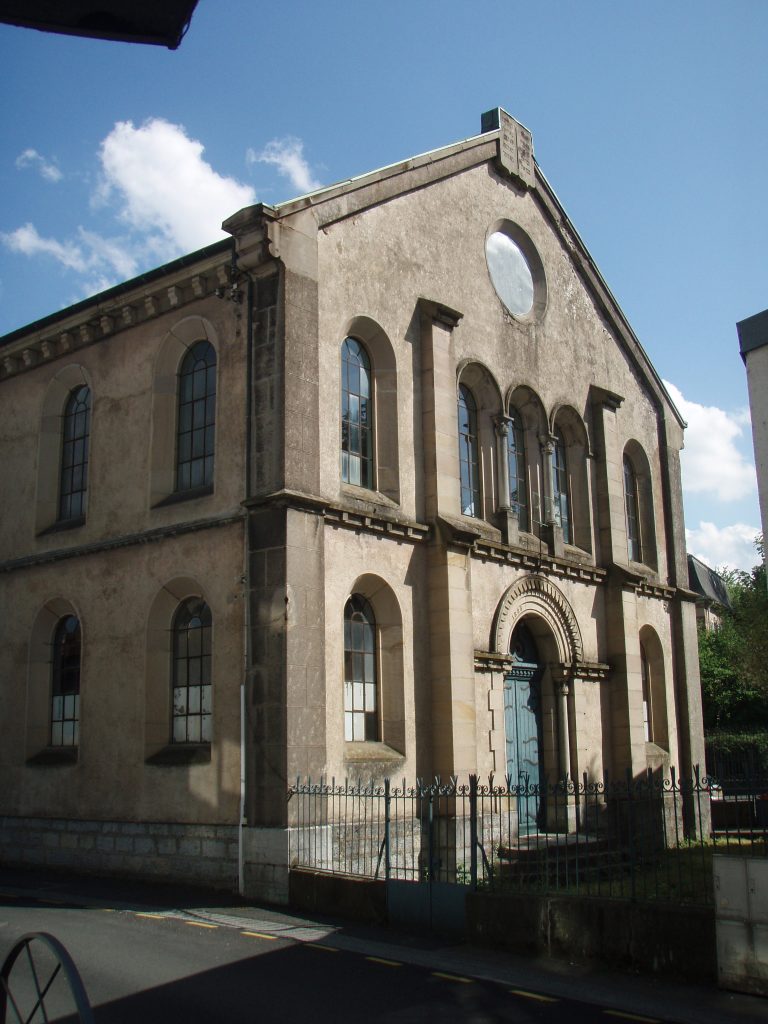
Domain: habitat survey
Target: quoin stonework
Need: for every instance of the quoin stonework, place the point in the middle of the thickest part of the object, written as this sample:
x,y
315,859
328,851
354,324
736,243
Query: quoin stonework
x,y
382,485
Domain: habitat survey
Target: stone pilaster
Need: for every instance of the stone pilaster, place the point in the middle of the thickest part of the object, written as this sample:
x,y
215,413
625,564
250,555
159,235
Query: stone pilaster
x,y
454,743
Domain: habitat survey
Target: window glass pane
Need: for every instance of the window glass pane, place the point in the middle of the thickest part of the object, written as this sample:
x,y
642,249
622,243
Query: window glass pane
x,y
358,696
191,699
348,735
56,734
58,709
195,441
360,669
510,274
370,697
73,474
67,733
206,728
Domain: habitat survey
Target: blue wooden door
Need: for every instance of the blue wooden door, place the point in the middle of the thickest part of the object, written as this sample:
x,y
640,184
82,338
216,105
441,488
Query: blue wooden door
x,y
522,722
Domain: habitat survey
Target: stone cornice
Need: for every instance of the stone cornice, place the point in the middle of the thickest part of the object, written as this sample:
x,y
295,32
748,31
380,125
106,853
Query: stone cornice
x,y
643,585
127,540
589,671
121,309
533,561
376,521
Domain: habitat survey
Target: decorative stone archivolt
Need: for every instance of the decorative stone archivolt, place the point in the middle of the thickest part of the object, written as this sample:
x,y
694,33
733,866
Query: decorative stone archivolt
x,y
536,595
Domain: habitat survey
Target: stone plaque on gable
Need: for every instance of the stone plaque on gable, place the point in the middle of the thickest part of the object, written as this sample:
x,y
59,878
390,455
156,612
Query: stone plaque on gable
x,y
515,145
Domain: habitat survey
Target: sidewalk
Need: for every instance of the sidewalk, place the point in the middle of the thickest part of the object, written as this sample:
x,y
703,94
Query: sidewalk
x,y
642,996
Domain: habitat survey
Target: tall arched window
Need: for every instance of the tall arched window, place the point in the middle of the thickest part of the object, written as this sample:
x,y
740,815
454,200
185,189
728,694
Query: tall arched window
x,y
196,429
65,683
73,474
356,415
468,453
192,722
631,503
560,500
518,491
361,703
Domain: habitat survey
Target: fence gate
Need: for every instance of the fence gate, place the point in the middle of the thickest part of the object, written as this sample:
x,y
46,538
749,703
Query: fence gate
x,y
434,898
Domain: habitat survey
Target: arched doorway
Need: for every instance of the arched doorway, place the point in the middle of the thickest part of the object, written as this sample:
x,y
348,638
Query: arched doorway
x,y
522,723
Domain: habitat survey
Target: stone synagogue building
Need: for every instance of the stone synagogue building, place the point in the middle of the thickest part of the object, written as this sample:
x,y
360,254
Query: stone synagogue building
x,y
382,485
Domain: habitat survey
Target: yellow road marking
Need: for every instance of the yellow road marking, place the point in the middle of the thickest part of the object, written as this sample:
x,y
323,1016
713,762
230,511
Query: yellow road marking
x,y
260,935
452,977
533,995
381,960
142,913
319,945
200,924
107,910
632,1016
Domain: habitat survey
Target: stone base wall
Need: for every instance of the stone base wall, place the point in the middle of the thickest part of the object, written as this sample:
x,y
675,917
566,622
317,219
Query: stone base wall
x,y
196,854
265,864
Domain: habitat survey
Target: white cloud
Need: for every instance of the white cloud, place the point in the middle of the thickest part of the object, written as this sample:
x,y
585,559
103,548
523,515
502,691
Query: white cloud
x,y
288,156
167,197
27,241
165,189
730,546
711,463
31,158
91,254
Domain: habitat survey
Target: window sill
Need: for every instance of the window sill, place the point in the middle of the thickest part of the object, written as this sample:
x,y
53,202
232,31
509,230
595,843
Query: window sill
x,y
181,754
371,752
51,756
577,554
179,496
643,569
61,525
368,497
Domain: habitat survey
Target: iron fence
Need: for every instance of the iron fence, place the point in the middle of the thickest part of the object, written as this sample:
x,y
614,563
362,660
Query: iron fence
x,y
650,837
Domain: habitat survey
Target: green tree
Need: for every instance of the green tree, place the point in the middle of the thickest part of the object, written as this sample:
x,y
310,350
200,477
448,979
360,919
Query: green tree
x,y
734,657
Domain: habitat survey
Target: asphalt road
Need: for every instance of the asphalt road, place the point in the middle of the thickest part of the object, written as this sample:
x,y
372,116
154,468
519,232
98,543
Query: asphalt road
x,y
160,957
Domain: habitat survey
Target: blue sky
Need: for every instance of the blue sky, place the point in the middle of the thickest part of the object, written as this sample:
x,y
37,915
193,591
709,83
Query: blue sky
x,y
648,118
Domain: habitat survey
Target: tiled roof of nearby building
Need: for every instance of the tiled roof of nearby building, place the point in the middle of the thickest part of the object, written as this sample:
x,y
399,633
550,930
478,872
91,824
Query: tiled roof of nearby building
x,y
706,582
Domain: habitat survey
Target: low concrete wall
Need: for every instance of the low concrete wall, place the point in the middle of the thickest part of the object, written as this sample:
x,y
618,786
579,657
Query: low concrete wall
x,y
663,938
359,899
666,938
197,854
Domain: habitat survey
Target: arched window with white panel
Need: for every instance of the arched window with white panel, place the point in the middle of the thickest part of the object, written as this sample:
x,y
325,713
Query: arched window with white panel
x,y
361,698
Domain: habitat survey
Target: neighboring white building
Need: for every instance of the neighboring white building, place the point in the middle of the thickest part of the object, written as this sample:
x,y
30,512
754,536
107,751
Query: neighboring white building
x,y
385,485
753,345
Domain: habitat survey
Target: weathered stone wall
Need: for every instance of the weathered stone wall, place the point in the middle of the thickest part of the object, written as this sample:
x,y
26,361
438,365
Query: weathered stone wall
x,y
198,854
